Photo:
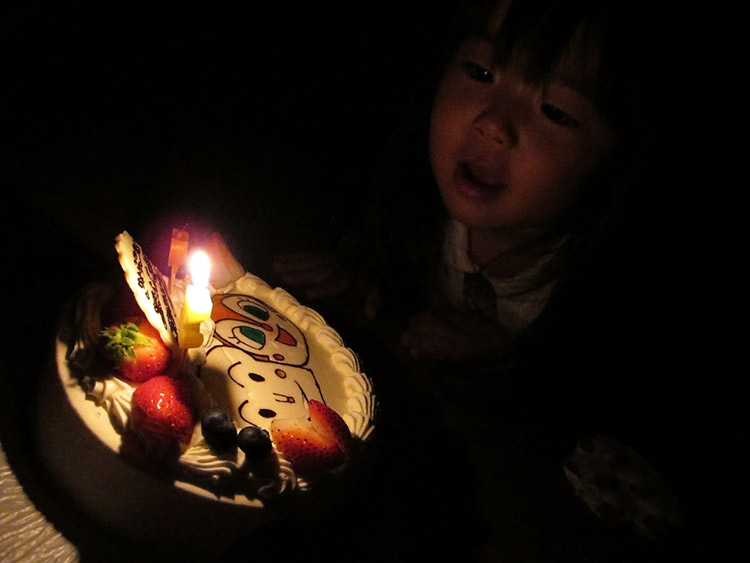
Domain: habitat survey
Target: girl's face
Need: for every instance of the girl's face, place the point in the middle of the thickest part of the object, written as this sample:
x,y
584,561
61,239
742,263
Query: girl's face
x,y
508,155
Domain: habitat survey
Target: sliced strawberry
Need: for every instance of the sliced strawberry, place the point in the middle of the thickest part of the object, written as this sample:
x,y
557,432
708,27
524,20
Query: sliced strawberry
x,y
310,452
328,422
137,350
163,409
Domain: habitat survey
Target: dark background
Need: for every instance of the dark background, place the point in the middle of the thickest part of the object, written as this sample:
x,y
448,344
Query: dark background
x,y
227,117
237,117
268,123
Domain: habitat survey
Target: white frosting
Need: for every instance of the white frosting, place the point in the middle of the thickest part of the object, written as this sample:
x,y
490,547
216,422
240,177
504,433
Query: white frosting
x,y
302,358
112,394
313,364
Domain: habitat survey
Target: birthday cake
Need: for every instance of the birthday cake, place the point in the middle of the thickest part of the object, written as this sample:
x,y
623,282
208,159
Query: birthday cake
x,y
200,417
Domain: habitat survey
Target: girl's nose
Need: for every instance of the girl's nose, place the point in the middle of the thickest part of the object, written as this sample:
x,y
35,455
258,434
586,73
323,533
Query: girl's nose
x,y
494,126
500,110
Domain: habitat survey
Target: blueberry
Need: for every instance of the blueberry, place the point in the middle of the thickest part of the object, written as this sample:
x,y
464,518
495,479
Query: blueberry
x,y
218,429
255,442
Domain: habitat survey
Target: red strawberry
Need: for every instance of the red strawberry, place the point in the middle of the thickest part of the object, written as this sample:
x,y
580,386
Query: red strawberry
x,y
312,445
163,409
137,349
309,452
328,422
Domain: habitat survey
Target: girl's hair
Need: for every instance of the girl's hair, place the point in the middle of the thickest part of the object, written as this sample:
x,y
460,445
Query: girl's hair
x,y
607,47
614,50
617,52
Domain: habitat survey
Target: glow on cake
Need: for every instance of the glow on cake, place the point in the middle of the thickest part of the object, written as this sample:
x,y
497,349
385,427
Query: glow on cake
x,y
261,407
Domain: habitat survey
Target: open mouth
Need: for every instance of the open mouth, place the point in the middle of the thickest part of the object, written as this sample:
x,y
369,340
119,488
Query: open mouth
x,y
476,186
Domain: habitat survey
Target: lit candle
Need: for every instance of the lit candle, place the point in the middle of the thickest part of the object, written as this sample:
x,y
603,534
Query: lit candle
x,y
197,306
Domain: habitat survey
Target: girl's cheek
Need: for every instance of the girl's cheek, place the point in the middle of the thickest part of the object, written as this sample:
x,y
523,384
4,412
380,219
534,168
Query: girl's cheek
x,y
444,129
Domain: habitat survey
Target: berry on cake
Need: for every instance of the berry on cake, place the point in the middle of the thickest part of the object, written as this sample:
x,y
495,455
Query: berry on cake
x,y
136,350
244,400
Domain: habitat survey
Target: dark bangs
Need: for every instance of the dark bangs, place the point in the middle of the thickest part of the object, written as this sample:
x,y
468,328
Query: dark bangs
x,y
537,37
585,41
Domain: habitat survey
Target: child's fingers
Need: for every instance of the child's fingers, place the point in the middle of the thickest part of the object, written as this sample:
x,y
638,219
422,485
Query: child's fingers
x,y
372,303
310,276
441,323
300,261
304,268
429,337
332,288
437,335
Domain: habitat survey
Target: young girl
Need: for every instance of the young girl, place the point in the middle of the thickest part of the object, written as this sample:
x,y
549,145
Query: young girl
x,y
497,237
530,136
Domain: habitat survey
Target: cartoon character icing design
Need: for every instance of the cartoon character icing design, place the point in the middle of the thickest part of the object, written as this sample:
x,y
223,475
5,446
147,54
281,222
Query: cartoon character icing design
x,y
256,362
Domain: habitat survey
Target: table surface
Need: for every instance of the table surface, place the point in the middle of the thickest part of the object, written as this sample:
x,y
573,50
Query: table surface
x,y
25,533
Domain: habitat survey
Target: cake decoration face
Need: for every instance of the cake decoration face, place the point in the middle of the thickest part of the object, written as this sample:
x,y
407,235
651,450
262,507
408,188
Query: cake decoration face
x,y
261,331
257,363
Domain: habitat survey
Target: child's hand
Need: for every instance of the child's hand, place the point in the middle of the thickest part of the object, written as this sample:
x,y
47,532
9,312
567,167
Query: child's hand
x,y
453,334
313,274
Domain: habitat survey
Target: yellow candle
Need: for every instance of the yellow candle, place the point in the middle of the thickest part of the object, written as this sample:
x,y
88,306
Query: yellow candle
x,y
197,306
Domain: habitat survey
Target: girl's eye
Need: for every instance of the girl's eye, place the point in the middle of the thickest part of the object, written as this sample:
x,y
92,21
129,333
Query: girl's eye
x,y
558,116
478,72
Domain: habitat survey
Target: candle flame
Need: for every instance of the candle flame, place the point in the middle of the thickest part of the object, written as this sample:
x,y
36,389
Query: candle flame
x,y
200,268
